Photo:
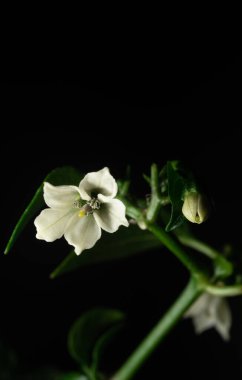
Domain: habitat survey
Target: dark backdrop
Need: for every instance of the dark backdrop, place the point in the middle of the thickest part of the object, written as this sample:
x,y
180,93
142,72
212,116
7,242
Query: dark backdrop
x,y
187,107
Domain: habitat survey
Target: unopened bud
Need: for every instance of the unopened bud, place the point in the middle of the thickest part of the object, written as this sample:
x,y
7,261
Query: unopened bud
x,y
196,207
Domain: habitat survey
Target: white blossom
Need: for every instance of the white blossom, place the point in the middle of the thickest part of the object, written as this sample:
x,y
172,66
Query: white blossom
x,y
211,311
79,213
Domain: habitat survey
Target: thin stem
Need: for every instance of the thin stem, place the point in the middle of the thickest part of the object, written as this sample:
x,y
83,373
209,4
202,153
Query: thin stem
x,y
155,202
224,267
225,291
159,332
175,248
199,246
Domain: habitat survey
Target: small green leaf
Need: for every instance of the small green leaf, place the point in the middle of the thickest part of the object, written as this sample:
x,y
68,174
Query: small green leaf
x,y
101,344
176,188
61,176
121,244
89,333
223,268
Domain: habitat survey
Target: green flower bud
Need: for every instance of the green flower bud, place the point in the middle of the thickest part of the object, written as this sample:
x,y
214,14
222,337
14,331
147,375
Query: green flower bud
x,y
196,207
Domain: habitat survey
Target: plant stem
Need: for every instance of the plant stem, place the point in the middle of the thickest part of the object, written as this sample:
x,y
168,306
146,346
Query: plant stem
x,y
225,291
155,202
175,248
159,332
199,246
223,266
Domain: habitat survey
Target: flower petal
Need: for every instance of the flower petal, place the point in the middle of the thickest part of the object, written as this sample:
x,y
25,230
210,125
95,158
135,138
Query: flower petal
x,y
111,215
99,184
202,323
211,311
201,304
82,233
224,319
51,224
60,197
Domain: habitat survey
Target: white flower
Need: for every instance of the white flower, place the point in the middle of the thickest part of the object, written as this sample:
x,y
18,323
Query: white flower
x,y
79,213
211,311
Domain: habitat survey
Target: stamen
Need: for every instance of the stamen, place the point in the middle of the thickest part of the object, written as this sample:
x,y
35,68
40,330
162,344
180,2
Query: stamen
x,y
81,213
78,203
94,203
86,208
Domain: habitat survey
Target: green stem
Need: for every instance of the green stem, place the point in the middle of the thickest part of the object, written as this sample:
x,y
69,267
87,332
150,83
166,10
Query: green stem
x,y
225,291
159,332
223,266
199,246
155,202
175,248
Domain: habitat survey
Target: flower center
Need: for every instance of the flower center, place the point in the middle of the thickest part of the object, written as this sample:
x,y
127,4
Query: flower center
x,y
87,207
94,203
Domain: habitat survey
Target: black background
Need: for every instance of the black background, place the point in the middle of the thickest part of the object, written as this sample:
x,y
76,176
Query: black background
x,y
182,105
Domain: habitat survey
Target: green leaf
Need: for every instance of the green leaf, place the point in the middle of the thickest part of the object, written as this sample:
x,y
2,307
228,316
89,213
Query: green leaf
x,y
119,245
88,336
180,180
61,176
176,188
223,268
101,344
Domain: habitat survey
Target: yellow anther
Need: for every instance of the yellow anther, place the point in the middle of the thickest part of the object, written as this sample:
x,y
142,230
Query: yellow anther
x,y
81,213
